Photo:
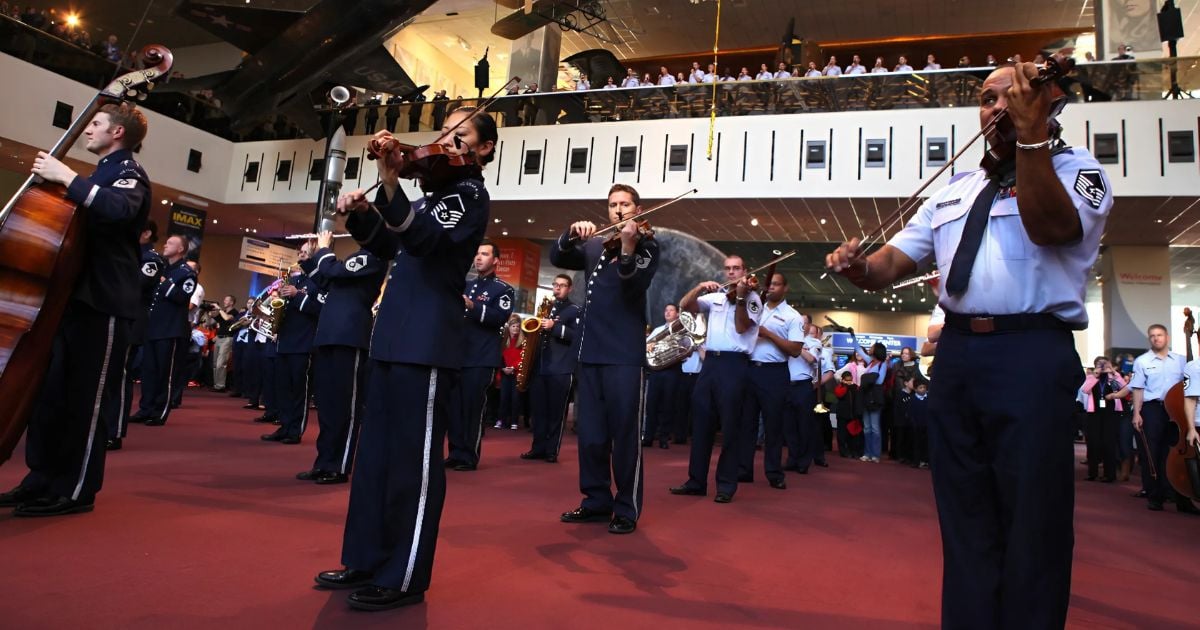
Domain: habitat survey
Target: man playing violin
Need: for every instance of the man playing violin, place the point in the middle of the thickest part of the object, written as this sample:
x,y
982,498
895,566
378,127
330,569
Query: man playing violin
x,y
1014,244
608,399
65,444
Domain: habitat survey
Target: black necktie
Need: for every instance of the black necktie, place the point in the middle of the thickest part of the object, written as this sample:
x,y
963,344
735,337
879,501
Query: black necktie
x,y
972,237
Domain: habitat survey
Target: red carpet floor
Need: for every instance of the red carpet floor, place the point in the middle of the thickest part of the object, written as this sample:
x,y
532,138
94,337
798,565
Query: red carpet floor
x,y
202,525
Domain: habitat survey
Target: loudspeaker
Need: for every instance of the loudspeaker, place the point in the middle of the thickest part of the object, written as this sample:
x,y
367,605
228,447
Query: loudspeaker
x,y
936,151
627,159
678,157
814,151
283,171
1170,23
62,115
533,161
193,163
1105,148
252,172
579,160
482,70
1180,146
876,154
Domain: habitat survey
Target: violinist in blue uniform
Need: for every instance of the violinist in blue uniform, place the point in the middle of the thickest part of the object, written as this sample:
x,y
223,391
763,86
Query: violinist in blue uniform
x,y
1015,243
399,485
488,303
733,319
293,348
116,409
612,356
342,339
64,445
168,333
553,373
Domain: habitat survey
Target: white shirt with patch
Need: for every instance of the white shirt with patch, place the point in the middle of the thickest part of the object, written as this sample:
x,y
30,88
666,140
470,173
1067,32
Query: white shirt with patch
x,y
722,325
1011,274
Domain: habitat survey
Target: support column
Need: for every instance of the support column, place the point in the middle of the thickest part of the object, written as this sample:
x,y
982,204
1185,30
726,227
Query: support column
x,y
1136,293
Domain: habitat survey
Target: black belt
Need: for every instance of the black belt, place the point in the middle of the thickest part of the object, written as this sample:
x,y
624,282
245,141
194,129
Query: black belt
x,y
725,353
1152,402
767,363
982,324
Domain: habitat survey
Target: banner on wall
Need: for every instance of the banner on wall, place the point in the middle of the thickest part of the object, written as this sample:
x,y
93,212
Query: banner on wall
x,y
188,222
266,258
520,261
1133,23
842,342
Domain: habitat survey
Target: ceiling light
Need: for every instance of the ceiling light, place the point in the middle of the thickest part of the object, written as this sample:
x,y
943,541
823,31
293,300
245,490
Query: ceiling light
x,y
1158,220
214,221
1181,286
853,299
504,232
901,300
823,276
496,220
777,252
822,221
529,220
893,309
893,295
165,202
72,20
922,299
754,222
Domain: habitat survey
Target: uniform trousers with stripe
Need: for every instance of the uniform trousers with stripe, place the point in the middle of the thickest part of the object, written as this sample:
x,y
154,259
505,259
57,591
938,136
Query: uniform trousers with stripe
x,y
270,386
549,396
608,411
64,445
160,366
665,402
342,373
766,395
810,445
1004,475
252,371
399,483
1161,434
238,372
717,403
116,408
291,392
466,420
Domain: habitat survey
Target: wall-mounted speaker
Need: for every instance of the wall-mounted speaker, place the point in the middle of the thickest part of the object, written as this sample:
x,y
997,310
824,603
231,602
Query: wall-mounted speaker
x,y
1180,146
814,154
627,159
875,155
193,161
252,172
1106,148
937,151
284,171
62,115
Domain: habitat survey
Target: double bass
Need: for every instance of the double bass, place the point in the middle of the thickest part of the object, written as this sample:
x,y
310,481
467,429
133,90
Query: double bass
x,y
1183,460
41,255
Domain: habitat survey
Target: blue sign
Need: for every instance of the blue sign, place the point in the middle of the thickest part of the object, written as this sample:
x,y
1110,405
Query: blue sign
x,y
842,342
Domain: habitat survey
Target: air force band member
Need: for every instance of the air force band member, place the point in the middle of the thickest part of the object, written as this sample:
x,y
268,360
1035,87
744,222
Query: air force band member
x,y
64,446
732,331
612,354
1014,247
665,387
293,349
488,302
341,341
168,334
399,485
554,373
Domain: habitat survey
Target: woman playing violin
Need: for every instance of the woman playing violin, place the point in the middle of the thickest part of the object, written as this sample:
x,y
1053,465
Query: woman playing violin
x,y
399,485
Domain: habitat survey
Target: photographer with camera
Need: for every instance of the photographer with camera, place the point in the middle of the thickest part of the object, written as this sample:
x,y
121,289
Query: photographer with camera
x,y
225,315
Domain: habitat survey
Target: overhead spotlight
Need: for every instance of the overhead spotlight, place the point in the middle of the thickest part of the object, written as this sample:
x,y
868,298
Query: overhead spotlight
x,y
165,202
754,222
823,276
777,253
504,233
822,221
496,220
214,221
72,20
1158,220
529,220
1181,286
893,309
922,300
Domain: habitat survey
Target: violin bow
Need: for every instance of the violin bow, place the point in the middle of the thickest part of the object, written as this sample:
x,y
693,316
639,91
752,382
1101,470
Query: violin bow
x,y
772,263
1149,457
614,226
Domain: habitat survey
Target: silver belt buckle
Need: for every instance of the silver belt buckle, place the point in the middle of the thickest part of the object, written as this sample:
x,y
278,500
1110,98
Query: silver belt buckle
x,y
983,325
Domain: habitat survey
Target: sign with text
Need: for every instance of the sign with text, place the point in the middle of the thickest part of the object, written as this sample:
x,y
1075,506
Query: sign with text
x,y
842,342
267,258
520,261
188,222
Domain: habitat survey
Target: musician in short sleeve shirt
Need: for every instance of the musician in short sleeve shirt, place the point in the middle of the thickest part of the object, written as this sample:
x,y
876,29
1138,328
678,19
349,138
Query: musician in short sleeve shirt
x,y
722,331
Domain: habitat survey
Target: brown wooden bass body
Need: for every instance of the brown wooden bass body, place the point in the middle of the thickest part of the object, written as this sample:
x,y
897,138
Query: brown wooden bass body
x,y
41,254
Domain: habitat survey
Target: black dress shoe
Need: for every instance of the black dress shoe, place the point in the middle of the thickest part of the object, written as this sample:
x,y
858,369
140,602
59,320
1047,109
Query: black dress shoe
x,y
1140,494
622,525
552,459
648,443
266,418
249,406
176,405
218,390
344,578
19,495
687,490
1090,478
823,464
277,436
1187,507
451,463
679,441
722,498
585,515
329,477
138,418
113,444
155,422
235,394
290,439
1154,506
532,455
380,598
791,467
53,506
778,484
464,467
309,475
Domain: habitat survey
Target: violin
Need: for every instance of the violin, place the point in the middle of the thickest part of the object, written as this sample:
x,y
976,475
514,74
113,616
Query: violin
x,y
730,288
432,164
1002,146
612,244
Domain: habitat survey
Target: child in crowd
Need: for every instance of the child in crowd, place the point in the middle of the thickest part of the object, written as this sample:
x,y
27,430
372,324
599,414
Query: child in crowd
x,y
847,410
918,413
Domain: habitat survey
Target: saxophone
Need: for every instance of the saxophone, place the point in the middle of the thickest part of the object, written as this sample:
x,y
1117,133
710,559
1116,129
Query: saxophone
x,y
268,310
532,327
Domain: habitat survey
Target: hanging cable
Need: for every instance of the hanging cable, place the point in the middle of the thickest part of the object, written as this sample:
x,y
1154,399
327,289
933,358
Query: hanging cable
x,y
712,110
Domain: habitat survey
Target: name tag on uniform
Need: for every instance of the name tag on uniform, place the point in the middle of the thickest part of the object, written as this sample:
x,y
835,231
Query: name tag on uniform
x,y
1103,403
946,204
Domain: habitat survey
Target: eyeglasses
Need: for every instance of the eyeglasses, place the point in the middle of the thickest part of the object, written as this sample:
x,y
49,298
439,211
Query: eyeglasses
x,y
560,285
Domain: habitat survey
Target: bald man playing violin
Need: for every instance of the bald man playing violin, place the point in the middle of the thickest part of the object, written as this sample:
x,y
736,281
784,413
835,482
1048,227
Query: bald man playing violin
x,y
1014,243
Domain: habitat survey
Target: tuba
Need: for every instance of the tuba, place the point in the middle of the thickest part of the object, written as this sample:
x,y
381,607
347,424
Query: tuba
x,y
268,309
675,342
532,327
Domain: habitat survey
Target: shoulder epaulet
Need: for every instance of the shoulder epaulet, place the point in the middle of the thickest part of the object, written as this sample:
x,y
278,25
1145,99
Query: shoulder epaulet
x,y
505,284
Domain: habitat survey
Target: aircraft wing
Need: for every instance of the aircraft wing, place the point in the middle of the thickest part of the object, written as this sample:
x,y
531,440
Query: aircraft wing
x,y
599,65
518,24
377,70
249,29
